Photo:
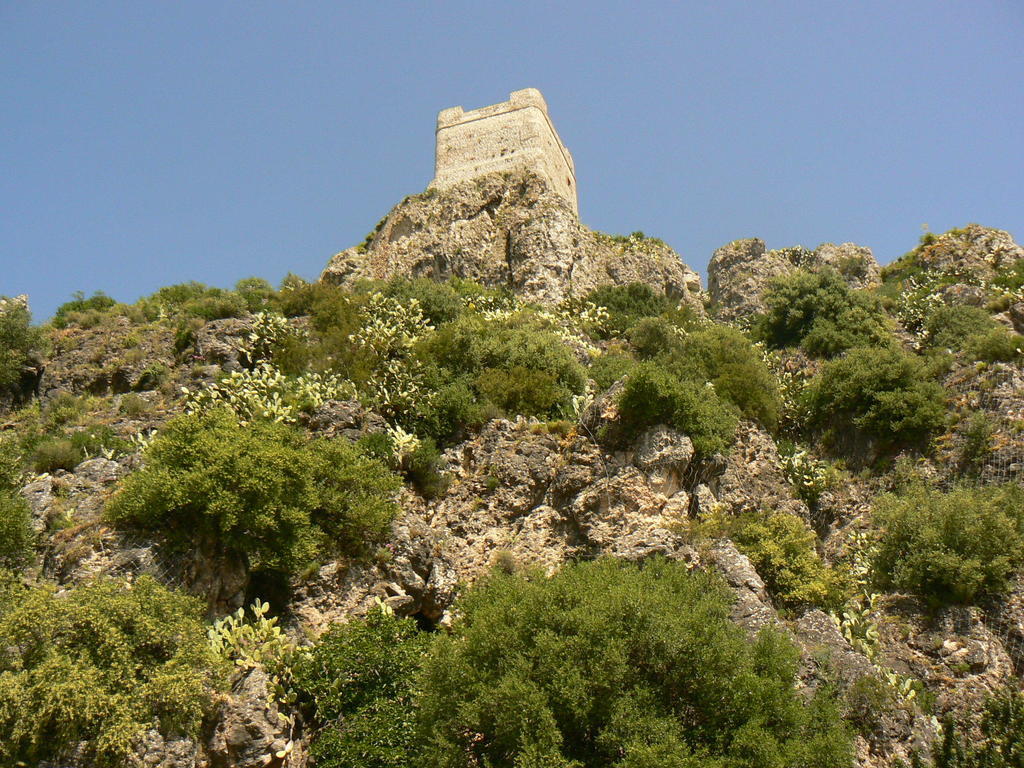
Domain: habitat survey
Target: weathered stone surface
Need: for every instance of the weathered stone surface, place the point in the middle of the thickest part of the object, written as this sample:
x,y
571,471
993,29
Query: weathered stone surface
x,y
752,609
510,230
739,273
953,651
113,357
753,479
974,251
220,343
347,419
248,730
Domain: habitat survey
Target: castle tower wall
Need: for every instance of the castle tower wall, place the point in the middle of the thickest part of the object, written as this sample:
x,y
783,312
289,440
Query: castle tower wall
x,y
516,134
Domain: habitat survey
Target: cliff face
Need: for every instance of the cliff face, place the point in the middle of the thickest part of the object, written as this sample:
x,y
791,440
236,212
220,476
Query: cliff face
x,y
512,231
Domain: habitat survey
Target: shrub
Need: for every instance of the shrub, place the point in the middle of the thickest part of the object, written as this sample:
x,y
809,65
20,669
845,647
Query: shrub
x,y
627,304
781,548
257,293
514,365
359,679
818,312
950,547
18,340
11,463
996,345
194,299
55,453
610,663
949,327
870,701
423,469
440,302
726,358
653,395
610,368
133,406
978,435
451,411
881,392
64,409
261,492
98,302
17,537
652,337
99,664
997,743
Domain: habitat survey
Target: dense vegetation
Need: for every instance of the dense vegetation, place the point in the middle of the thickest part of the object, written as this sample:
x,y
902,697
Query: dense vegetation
x,y
261,492
100,663
605,664
892,399
950,547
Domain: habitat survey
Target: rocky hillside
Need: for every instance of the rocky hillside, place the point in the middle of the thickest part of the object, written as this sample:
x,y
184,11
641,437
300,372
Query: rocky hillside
x,y
503,491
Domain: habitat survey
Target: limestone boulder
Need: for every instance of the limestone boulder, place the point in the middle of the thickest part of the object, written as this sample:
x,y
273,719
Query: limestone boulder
x,y
974,251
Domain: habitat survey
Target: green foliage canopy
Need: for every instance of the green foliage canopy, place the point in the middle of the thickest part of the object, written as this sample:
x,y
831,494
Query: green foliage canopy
x,y
18,339
99,663
262,491
882,392
653,395
818,312
360,680
611,664
950,547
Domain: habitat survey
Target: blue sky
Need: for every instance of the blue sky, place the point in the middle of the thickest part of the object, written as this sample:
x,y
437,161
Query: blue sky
x,y
143,144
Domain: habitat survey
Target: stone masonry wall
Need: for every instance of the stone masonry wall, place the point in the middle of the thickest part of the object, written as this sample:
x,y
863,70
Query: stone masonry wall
x,y
514,135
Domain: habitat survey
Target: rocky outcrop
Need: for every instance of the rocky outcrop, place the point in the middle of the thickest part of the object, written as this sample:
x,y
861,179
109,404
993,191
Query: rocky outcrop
x,y
976,252
739,273
509,230
522,498
249,732
114,357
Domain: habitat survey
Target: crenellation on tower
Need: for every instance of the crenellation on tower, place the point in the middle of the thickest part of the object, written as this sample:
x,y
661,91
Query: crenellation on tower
x,y
514,135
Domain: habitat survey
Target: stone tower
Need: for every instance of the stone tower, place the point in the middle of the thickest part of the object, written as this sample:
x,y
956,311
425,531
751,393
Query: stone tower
x,y
514,135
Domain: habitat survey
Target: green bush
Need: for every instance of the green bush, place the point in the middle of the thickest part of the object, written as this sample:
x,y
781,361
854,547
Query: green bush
x,y
950,547
978,435
948,327
100,664
12,464
514,365
262,492
440,302
257,293
870,702
17,537
884,393
653,395
996,345
781,548
98,302
818,312
998,741
726,358
359,679
627,305
18,340
609,368
653,337
53,453
613,664
194,299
